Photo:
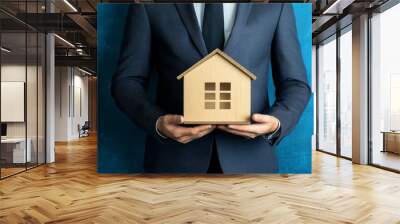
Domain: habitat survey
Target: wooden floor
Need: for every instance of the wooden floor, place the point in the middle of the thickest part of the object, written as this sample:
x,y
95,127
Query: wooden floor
x,y
70,191
387,159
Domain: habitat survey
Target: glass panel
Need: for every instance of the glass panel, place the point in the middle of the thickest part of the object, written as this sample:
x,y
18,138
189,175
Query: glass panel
x,y
225,86
41,98
225,96
225,105
23,89
346,93
209,96
209,86
13,89
31,98
209,105
385,89
327,96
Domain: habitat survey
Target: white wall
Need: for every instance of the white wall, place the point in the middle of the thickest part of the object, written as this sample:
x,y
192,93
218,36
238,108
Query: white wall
x,y
71,102
62,81
33,127
16,73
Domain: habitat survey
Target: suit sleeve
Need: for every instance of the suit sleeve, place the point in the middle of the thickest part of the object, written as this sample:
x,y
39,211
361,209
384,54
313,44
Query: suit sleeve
x,y
289,74
129,82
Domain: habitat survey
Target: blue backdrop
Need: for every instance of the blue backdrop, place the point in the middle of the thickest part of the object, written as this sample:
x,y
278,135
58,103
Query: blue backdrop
x,y
121,143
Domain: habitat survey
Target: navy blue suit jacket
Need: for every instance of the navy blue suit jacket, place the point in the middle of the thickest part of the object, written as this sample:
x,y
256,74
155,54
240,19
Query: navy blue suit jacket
x,y
166,38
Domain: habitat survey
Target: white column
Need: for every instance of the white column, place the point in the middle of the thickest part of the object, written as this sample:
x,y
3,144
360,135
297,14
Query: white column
x,y
360,90
50,100
50,92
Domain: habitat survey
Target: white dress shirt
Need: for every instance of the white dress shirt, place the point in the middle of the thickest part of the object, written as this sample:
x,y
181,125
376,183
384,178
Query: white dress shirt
x,y
229,16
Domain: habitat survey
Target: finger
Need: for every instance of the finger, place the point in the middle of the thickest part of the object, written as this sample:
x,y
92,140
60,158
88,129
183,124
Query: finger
x,y
262,118
189,138
180,131
174,119
240,133
253,128
185,139
203,133
198,129
243,134
222,127
201,128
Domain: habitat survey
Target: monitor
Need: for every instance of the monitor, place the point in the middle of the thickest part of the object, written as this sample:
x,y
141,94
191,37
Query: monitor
x,y
3,129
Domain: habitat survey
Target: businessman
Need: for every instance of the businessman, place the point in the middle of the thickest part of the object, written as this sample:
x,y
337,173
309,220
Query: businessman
x,y
166,39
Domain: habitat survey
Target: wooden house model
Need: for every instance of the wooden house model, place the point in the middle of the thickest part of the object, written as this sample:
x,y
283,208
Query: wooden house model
x,y
217,90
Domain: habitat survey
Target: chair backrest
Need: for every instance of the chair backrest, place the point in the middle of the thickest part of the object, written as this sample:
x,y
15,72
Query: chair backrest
x,y
86,124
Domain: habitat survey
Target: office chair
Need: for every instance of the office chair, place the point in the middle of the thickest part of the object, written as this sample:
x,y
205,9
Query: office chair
x,y
84,130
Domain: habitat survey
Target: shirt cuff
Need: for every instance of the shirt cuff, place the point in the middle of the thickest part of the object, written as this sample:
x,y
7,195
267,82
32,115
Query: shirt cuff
x,y
274,135
158,132
276,130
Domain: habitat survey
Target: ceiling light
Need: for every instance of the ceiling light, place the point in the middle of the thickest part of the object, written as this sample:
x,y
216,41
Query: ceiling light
x,y
65,41
84,71
70,5
5,50
337,7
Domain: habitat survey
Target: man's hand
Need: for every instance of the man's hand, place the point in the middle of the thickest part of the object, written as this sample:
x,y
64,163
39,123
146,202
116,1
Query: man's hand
x,y
170,126
263,124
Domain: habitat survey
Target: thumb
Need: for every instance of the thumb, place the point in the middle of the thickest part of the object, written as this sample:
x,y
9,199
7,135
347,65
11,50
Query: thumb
x,y
262,118
174,119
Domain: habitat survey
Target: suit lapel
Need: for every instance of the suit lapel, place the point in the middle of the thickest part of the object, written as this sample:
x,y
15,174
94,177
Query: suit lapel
x,y
188,16
242,14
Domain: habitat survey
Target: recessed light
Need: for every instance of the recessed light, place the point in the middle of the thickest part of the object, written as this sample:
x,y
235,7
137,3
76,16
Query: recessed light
x,y
64,40
5,50
70,5
84,71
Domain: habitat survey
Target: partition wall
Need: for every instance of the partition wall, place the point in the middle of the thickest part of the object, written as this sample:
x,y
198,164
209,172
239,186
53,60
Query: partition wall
x,y
385,88
22,101
334,93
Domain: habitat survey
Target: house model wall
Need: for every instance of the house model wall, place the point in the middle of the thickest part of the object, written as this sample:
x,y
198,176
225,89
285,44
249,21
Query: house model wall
x,y
217,90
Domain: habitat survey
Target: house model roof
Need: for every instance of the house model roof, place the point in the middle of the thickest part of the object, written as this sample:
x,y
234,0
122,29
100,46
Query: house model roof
x,y
225,56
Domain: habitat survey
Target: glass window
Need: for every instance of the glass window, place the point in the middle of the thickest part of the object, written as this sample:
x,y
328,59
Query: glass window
x,y
327,96
15,149
22,92
346,93
385,88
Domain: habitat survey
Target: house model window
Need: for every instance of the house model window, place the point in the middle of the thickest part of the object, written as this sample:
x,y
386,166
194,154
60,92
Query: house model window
x,y
225,95
211,93
217,90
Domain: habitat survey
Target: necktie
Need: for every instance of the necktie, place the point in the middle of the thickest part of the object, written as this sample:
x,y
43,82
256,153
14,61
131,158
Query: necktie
x,y
213,26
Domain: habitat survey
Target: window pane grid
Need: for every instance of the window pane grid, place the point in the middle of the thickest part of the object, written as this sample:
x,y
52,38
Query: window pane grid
x,y
211,93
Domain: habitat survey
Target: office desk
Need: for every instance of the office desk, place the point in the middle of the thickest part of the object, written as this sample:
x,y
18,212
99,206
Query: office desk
x,y
13,150
391,141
